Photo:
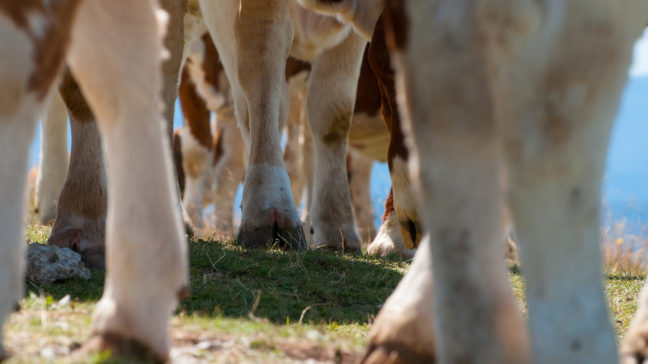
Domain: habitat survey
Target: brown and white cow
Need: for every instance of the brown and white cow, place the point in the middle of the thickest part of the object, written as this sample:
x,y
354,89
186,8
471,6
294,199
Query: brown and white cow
x,y
203,87
254,57
116,57
81,202
218,160
507,102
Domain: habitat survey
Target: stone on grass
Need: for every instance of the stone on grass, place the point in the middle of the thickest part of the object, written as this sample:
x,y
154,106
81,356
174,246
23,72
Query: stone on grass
x,y
49,263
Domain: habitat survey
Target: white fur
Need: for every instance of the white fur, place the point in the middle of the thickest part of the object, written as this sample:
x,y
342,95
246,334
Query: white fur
x,y
333,78
369,136
145,250
196,162
315,33
18,113
389,240
362,14
228,173
405,204
53,159
268,179
359,186
554,174
37,23
219,18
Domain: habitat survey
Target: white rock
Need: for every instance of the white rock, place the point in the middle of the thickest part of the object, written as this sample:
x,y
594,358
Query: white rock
x,y
49,263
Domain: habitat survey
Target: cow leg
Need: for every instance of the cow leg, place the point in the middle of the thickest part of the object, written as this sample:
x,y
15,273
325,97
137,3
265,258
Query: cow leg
x,y
359,184
81,211
196,147
296,123
53,160
308,168
228,173
269,216
403,330
29,69
329,103
402,210
174,45
558,125
16,132
388,240
457,171
117,68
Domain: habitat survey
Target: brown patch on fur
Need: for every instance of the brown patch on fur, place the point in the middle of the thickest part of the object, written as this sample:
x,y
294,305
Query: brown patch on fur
x,y
368,94
389,205
218,145
177,160
73,98
295,66
50,47
397,23
211,63
379,60
194,109
339,128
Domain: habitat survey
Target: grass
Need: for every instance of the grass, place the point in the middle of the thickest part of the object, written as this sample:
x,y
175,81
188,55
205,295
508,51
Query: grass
x,y
252,306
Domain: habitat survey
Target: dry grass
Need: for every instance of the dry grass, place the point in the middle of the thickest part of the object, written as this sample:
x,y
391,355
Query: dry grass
x,y
624,252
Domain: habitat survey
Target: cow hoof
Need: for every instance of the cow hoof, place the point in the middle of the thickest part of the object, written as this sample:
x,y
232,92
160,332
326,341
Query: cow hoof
x,y
342,238
120,347
388,240
90,246
397,337
634,349
272,237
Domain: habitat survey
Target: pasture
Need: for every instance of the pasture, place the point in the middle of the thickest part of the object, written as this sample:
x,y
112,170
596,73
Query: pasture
x,y
251,306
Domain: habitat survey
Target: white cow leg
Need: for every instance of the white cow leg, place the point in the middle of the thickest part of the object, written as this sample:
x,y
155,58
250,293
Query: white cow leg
x,y
457,168
16,132
196,162
53,160
308,168
146,257
196,147
228,173
269,217
26,84
329,111
360,186
81,210
558,125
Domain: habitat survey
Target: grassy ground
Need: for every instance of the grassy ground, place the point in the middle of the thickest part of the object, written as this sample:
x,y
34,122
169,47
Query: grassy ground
x,y
251,306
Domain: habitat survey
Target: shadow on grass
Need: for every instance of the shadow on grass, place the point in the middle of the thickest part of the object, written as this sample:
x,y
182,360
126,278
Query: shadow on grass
x,y
318,286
